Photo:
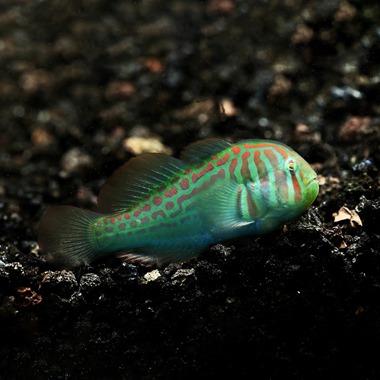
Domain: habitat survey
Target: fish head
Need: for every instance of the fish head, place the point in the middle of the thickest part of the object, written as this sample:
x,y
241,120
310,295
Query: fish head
x,y
286,184
298,186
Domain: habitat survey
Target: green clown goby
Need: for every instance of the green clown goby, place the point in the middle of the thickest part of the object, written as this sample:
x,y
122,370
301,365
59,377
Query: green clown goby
x,y
162,209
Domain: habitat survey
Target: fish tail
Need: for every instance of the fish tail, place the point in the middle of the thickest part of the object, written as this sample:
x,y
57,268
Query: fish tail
x,y
65,236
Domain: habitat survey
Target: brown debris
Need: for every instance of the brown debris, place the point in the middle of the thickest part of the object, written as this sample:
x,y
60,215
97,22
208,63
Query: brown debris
x,y
359,310
355,127
227,108
221,6
302,35
332,182
84,194
346,12
36,80
138,145
200,109
28,297
304,133
280,87
42,138
345,213
75,160
120,89
154,65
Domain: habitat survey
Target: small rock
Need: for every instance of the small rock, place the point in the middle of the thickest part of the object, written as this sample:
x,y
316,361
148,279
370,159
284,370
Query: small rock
x,y
74,160
151,276
227,108
182,275
89,282
355,127
60,282
138,145
16,271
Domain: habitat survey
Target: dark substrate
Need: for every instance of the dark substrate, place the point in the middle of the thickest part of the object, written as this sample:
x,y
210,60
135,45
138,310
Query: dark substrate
x,y
81,79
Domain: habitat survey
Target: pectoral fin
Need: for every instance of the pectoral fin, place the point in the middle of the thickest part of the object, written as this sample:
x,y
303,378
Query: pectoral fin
x,y
225,208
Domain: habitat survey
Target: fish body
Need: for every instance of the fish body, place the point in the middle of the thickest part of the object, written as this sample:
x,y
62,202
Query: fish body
x,y
164,209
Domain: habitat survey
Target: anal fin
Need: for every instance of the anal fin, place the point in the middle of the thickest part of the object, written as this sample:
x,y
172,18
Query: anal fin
x,y
163,255
131,257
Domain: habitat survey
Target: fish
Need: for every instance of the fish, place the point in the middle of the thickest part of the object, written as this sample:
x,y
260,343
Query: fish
x,y
157,209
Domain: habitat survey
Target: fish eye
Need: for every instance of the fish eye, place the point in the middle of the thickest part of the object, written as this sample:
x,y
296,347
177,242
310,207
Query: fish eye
x,y
291,165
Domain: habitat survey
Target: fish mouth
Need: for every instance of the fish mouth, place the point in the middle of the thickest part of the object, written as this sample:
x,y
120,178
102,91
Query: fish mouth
x,y
312,187
313,181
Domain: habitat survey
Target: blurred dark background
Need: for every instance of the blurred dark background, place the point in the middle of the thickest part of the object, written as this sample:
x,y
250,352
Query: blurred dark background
x,y
85,85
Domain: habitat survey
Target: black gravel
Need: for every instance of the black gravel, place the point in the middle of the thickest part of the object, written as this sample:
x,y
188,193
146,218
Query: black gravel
x,y
85,84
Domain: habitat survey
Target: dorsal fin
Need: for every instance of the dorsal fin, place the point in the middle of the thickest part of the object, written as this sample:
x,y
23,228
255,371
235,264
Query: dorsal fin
x,y
200,150
136,179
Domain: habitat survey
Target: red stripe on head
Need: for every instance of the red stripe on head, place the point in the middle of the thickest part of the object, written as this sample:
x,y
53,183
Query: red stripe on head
x,y
261,168
244,171
279,149
255,146
235,150
273,162
260,145
232,168
297,188
271,157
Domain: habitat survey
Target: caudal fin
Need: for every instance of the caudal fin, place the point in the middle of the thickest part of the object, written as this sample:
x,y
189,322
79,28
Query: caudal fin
x,y
64,235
